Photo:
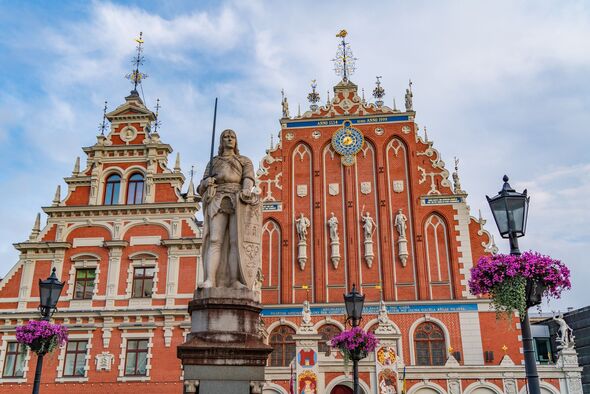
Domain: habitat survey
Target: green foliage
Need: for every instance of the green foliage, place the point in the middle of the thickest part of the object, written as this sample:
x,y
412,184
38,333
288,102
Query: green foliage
x,y
509,296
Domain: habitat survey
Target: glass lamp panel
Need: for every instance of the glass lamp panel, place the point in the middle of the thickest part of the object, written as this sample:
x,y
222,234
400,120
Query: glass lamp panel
x,y
500,215
515,205
55,293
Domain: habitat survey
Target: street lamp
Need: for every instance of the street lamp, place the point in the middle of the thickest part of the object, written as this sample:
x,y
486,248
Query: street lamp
x,y
49,292
510,210
354,302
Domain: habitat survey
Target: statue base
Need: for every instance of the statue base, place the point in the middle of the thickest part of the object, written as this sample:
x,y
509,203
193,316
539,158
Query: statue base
x,y
224,353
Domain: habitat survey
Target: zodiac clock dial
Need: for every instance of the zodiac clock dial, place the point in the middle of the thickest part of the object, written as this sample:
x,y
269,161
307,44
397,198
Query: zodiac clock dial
x,y
347,141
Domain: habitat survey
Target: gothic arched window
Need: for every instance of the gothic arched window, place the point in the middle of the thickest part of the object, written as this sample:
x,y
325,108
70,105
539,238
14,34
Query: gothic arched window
x,y
135,189
113,185
281,340
327,331
429,341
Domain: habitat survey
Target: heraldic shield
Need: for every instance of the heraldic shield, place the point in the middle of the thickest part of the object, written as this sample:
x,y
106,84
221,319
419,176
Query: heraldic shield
x,y
249,218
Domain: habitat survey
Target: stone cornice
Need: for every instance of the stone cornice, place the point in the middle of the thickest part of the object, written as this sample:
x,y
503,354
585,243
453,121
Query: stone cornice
x,y
26,246
116,244
101,210
182,242
97,147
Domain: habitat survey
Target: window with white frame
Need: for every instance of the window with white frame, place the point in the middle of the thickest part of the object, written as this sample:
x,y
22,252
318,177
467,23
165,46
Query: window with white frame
x,y
143,282
83,278
142,279
75,358
14,360
84,283
135,356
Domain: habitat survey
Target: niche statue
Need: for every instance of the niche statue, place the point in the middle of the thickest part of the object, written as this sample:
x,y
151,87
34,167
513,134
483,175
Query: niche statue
x,y
231,251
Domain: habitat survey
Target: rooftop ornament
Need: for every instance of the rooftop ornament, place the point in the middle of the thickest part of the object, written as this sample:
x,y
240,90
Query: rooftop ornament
x,y
378,93
136,76
313,97
344,62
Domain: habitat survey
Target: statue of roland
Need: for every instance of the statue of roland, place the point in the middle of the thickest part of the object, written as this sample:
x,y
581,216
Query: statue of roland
x,y
232,238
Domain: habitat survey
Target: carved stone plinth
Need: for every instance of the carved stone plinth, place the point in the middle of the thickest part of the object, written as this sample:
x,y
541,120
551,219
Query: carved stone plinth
x,y
224,351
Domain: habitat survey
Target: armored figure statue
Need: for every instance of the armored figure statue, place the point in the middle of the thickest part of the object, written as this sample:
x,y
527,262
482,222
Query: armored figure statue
x,y
369,225
301,225
566,334
333,225
231,250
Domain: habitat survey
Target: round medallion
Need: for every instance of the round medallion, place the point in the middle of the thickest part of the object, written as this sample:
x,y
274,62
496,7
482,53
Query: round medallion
x,y
289,136
348,160
378,131
406,129
316,134
347,140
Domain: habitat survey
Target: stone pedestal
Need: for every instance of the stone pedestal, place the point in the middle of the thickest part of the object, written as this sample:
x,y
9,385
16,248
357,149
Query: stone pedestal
x,y
224,352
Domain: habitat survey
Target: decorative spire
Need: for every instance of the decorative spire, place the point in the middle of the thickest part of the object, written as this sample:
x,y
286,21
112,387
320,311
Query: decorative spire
x,y
425,135
327,98
363,96
298,110
409,97
272,141
103,126
378,93
284,104
177,163
344,62
36,228
57,196
157,122
456,181
190,194
136,76
394,106
313,97
76,170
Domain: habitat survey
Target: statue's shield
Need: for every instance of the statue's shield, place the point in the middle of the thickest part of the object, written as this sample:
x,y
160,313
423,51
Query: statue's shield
x,y
249,217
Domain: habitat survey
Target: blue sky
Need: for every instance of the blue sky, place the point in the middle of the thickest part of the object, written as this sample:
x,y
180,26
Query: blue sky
x,y
503,85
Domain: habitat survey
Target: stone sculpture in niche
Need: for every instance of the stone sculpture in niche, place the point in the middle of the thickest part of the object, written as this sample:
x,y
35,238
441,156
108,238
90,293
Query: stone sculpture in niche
x,y
369,226
301,225
334,240
402,242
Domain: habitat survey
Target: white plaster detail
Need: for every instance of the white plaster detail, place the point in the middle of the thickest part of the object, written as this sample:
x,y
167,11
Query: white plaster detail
x,y
333,189
301,190
104,361
78,242
365,187
471,338
145,240
398,186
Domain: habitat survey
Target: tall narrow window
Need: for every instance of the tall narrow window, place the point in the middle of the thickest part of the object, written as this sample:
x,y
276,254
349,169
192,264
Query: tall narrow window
x,y
281,339
14,362
429,340
143,282
135,189
327,331
75,360
136,357
84,286
111,196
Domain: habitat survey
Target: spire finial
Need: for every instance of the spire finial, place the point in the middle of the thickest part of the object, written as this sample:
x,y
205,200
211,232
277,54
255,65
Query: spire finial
x,y
272,141
298,110
177,163
327,98
190,194
426,135
136,76
456,181
157,122
313,97
76,170
394,106
103,126
378,92
57,196
363,95
344,62
36,228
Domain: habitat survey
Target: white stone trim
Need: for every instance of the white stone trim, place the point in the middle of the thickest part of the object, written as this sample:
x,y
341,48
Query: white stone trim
x,y
62,356
145,240
465,257
280,322
346,381
96,241
3,348
273,388
330,321
122,356
471,338
482,384
421,320
426,384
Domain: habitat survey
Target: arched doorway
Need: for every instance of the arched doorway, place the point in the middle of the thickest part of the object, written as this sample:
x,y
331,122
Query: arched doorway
x,y
341,389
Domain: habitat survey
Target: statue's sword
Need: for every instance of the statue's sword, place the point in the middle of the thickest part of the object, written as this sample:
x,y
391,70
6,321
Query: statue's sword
x,y
211,188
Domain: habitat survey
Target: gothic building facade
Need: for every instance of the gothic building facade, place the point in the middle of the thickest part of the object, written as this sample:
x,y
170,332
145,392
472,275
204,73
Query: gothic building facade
x,y
352,194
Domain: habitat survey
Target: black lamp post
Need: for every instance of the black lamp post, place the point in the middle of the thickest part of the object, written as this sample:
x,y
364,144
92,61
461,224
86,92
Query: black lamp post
x,y
49,292
510,210
354,302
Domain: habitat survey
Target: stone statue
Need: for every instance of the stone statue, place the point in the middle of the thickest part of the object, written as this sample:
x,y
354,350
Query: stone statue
x,y
369,225
566,334
285,105
333,225
409,95
400,223
306,313
301,225
232,225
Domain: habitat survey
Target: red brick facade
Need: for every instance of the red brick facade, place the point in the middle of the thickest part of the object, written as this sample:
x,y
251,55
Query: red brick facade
x,y
155,245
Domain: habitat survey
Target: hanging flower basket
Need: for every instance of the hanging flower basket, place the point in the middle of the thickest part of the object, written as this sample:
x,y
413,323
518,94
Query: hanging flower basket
x,y
42,337
354,344
519,282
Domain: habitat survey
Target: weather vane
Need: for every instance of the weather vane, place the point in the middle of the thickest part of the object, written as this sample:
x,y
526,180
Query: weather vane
x,y
157,123
344,62
136,76
103,126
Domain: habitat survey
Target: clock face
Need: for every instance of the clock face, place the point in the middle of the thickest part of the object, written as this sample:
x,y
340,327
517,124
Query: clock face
x,y
347,141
